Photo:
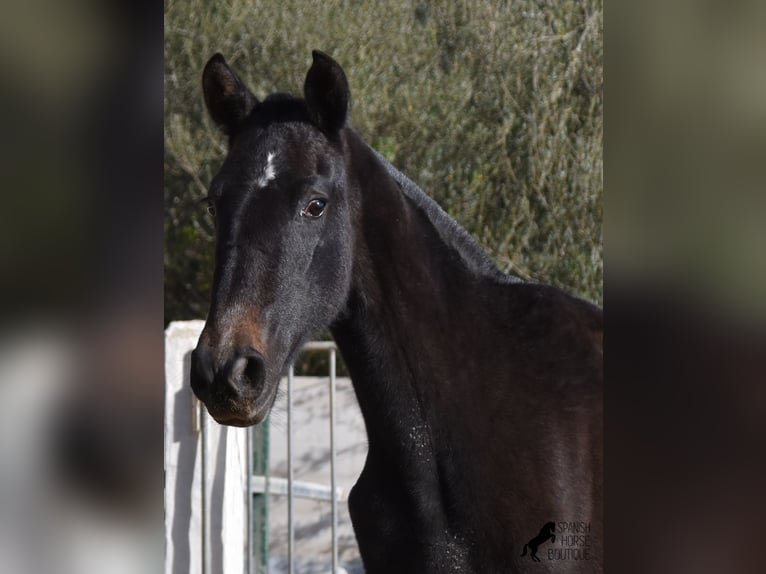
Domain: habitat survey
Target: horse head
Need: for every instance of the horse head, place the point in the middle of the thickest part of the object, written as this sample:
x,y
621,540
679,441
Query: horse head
x,y
283,254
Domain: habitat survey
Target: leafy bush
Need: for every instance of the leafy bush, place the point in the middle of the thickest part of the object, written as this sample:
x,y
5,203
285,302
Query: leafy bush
x,y
494,108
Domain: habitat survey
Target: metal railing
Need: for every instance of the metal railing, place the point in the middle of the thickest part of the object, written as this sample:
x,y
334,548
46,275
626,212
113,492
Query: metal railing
x,y
268,485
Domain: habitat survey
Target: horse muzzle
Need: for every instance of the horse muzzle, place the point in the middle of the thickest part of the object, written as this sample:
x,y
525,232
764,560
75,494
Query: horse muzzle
x,y
234,389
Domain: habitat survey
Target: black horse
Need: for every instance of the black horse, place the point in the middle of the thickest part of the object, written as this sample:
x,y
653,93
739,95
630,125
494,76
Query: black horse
x,y
481,393
547,532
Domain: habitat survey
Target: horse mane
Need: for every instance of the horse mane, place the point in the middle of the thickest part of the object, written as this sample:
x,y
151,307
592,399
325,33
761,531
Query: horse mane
x,y
451,232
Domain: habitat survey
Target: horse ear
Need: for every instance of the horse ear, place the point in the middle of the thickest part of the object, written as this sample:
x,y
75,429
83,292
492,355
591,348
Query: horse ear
x,y
227,98
326,92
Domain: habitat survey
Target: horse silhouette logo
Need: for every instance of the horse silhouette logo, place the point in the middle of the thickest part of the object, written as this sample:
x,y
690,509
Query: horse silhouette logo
x,y
547,532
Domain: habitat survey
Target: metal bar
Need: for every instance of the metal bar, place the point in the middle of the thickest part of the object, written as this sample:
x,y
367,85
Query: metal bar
x,y
301,489
290,507
249,499
333,484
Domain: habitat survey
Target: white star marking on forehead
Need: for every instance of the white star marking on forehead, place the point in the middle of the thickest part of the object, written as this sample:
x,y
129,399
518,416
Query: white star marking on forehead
x,y
269,172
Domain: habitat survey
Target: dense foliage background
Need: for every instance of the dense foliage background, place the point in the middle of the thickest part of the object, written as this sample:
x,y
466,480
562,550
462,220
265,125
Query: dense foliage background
x,y
494,108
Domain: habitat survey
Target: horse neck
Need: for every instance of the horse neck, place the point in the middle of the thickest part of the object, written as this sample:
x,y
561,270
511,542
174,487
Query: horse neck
x,y
405,297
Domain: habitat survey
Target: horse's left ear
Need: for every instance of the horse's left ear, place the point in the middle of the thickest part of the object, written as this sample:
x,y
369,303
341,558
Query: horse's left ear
x,y
327,94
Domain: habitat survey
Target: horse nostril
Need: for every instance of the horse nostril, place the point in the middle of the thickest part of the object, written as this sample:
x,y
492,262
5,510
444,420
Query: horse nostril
x,y
201,375
247,370
255,371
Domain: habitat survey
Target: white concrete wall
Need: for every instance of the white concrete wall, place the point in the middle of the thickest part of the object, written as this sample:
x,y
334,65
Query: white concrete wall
x,y
225,483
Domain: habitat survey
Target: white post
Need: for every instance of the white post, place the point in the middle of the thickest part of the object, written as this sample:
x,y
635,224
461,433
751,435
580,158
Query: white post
x,y
333,485
290,508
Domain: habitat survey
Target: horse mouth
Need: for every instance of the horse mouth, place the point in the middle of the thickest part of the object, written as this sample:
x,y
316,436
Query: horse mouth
x,y
240,411
233,420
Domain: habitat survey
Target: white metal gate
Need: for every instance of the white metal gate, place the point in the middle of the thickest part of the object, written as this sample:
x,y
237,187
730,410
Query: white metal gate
x,y
212,524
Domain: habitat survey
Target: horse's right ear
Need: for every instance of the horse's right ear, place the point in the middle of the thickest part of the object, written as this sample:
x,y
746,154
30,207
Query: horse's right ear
x,y
227,99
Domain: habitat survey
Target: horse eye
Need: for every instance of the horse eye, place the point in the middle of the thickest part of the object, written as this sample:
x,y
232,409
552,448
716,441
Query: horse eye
x,y
315,208
210,206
